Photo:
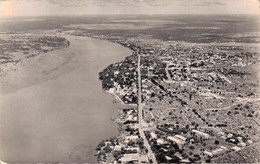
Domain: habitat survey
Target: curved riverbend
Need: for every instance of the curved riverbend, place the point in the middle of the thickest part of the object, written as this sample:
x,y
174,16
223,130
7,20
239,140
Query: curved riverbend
x,y
54,108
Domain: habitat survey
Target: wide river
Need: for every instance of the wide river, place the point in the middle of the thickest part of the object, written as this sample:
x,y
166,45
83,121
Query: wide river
x,y
54,109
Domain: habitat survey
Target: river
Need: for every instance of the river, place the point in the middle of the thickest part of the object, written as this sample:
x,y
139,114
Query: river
x,y
54,109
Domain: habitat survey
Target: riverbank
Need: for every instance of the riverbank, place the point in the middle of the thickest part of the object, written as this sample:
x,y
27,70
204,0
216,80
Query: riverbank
x,y
120,100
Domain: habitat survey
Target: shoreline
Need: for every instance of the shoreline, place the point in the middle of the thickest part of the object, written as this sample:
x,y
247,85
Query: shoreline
x,y
120,100
117,118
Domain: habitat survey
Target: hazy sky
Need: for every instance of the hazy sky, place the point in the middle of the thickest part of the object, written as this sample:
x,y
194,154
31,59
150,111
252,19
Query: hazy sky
x,y
93,7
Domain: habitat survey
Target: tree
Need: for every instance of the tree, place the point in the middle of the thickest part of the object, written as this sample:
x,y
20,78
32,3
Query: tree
x,y
100,145
161,158
107,149
208,160
131,143
116,154
192,147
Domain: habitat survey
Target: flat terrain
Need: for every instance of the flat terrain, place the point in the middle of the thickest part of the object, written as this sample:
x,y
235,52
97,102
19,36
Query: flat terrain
x,y
192,82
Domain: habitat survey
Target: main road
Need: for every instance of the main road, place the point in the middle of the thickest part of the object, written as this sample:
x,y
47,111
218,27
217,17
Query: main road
x,y
140,110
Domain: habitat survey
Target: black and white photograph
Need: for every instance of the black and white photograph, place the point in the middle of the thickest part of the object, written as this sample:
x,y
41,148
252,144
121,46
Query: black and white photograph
x,y
129,81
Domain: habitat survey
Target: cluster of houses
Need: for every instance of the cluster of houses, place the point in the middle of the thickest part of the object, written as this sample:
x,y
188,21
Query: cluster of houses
x,y
121,79
128,146
192,144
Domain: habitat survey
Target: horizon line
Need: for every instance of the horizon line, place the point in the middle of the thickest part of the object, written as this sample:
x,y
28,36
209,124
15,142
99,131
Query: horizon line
x,y
79,15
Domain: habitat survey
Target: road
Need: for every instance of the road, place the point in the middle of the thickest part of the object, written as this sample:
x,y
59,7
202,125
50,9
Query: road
x,y
140,111
239,101
167,73
214,159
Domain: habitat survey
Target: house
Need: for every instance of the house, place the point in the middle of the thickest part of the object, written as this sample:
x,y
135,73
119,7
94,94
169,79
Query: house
x,y
118,147
160,141
235,148
131,138
205,135
153,135
242,144
143,159
249,141
137,149
178,141
129,158
174,139
207,153
217,151
180,137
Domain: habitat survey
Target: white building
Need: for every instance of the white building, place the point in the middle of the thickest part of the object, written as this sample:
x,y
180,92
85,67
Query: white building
x,y
205,135
180,137
131,138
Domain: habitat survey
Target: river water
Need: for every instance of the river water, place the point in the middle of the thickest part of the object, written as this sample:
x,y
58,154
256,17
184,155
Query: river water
x,y
54,109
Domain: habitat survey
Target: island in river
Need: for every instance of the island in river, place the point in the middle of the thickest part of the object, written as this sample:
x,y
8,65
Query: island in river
x,y
53,108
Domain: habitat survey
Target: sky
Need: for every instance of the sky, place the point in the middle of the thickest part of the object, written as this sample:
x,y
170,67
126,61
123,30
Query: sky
x,y
104,7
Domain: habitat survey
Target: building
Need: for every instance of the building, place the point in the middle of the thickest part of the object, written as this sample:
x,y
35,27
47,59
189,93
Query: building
x,y
131,138
129,158
205,135
178,141
181,137
160,141
153,135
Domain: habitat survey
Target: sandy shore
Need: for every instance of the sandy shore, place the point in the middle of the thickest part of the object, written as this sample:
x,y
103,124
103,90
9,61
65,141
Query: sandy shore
x,y
44,67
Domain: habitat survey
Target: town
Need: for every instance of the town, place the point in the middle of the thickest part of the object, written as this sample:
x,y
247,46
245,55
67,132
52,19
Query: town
x,y
200,104
130,81
185,103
